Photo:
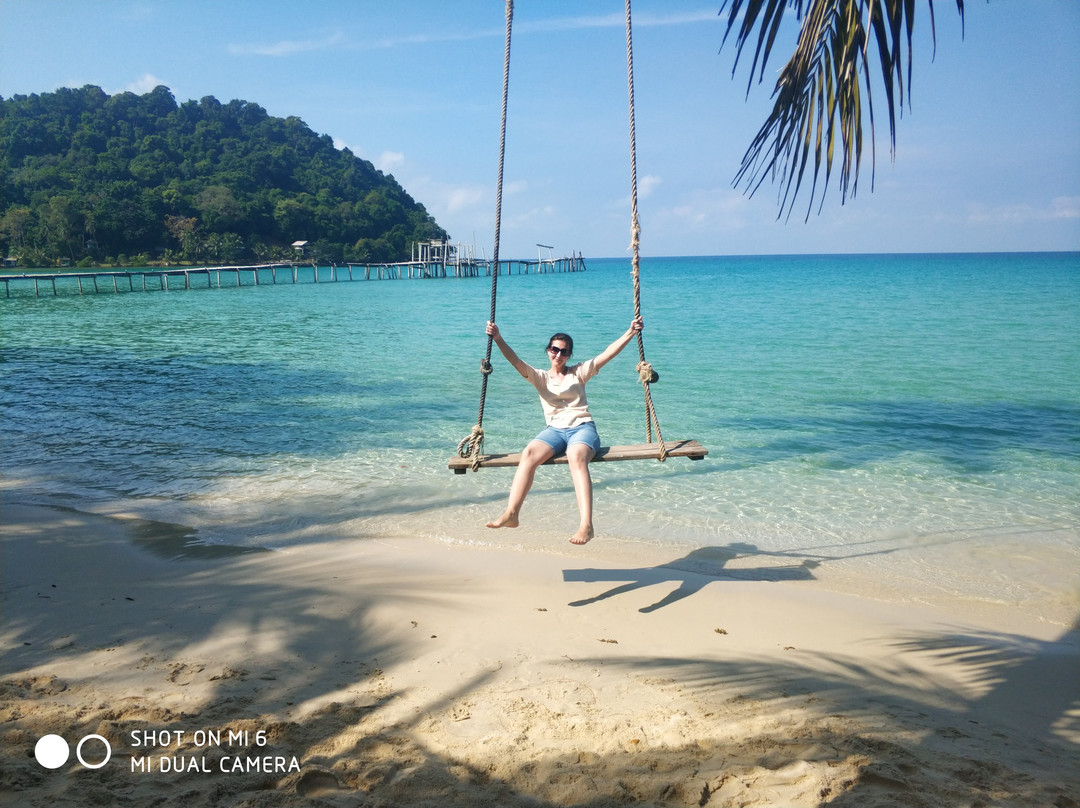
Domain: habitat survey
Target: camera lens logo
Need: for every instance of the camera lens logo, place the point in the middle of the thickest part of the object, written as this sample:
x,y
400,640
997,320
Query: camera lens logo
x,y
52,752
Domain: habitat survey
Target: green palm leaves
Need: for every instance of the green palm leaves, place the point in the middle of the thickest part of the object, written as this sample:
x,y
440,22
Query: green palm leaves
x,y
821,92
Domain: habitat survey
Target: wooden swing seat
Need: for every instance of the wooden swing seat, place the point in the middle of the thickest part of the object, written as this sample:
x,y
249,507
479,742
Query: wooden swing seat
x,y
638,451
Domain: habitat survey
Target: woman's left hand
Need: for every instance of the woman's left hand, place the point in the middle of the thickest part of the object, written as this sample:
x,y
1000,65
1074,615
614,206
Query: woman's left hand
x,y
637,324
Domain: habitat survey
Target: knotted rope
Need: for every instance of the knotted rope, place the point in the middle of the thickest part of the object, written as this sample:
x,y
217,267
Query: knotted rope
x,y
646,374
645,370
472,446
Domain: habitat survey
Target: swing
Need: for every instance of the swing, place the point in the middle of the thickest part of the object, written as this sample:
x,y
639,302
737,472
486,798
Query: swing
x,y
470,450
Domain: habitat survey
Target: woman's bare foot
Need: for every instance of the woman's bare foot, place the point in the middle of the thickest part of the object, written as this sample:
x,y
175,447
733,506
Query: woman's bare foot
x,y
508,519
583,535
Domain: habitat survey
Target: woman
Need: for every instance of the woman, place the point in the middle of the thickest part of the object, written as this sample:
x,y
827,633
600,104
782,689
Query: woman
x,y
570,427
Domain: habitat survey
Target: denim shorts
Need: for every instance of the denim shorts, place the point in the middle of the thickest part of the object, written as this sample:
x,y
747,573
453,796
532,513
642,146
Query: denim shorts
x,y
559,439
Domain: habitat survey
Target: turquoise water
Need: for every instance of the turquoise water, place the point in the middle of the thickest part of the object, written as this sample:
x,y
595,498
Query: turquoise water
x,y
905,427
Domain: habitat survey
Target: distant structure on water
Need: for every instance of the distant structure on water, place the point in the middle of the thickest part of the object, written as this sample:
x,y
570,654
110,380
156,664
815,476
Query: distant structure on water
x,y
430,259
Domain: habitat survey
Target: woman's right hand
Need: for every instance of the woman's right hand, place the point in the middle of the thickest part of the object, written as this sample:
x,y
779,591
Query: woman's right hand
x,y
492,330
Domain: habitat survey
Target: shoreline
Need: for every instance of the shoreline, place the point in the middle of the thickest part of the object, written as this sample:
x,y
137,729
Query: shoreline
x,y
1006,579
419,672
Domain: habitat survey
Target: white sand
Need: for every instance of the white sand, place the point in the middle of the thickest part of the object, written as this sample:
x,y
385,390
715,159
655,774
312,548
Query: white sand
x,y
404,672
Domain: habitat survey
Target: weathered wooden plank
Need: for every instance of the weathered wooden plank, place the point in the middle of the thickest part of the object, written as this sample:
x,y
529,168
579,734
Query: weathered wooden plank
x,y
638,451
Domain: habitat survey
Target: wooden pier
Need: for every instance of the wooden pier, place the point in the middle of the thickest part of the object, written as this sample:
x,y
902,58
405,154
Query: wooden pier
x,y
181,278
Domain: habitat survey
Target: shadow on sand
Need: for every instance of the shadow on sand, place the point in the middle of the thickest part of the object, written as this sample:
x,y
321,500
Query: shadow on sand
x,y
693,572
850,732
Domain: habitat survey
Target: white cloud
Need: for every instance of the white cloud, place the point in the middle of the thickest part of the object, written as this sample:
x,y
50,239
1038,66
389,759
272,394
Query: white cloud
x,y
1062,207
706,209
1065,207
459,208
533,220
647,184
618,20
142,85
286,47
532,26
412,40
388,161
462,197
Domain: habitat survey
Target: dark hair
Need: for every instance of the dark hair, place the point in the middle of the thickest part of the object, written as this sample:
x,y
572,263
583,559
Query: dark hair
x,y
565,338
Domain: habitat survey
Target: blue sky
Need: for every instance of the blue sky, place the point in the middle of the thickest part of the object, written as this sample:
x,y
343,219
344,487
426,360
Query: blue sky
x,y
987,158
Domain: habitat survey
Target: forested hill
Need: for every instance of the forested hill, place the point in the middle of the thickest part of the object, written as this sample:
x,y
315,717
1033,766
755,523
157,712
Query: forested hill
x,y
90,178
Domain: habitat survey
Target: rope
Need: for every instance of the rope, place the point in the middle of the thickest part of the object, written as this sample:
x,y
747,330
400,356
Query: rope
x,y
645,370
472,446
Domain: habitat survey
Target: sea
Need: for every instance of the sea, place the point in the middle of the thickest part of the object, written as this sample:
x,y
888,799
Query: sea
x,y
904,428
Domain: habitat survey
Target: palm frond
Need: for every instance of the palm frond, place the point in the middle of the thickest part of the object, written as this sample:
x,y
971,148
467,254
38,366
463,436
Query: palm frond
x,y
820,91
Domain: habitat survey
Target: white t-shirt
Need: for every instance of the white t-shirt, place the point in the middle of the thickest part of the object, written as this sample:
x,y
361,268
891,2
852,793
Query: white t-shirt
x,y
564,399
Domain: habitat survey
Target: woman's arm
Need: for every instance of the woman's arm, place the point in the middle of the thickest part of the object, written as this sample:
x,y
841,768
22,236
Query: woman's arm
x,y
511,357
613,350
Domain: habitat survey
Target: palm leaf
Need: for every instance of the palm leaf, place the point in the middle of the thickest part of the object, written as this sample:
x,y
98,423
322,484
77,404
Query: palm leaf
x,y
820,91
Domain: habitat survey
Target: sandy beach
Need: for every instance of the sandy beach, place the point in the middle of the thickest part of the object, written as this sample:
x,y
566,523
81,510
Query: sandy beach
x,y
406,672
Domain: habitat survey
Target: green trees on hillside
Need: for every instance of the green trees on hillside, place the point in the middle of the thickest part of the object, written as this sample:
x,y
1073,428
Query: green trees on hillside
x,y
92,178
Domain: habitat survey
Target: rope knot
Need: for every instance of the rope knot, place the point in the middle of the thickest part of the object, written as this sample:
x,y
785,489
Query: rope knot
x,y
485,367
471,446
646,373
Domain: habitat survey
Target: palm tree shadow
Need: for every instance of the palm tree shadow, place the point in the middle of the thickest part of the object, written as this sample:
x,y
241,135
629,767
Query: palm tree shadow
x,y
1034,682
693,572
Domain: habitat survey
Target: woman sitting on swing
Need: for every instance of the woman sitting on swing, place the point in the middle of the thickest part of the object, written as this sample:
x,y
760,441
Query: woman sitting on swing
x,y
570,427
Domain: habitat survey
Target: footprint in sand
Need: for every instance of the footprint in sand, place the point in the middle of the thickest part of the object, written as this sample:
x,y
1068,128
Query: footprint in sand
x,y
316,783
182,673
43,685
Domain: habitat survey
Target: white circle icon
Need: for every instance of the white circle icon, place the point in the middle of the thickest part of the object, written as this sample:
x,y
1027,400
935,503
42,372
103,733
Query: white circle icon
x,y
78,752
52,751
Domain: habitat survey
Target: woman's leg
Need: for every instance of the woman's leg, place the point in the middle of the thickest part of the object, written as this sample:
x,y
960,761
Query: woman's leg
x,y
578,456
535,454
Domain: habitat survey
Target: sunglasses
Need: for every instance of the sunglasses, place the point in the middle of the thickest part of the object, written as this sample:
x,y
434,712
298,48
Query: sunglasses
x,y
558,351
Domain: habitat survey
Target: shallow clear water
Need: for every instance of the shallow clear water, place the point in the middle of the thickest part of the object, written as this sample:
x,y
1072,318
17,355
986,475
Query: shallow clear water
x,y
901,426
